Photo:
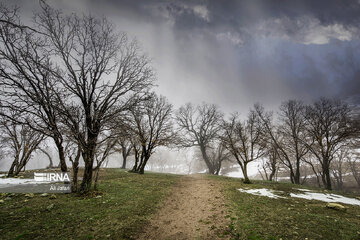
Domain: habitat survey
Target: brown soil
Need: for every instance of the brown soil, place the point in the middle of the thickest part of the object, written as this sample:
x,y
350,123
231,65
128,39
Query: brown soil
x,y
195,210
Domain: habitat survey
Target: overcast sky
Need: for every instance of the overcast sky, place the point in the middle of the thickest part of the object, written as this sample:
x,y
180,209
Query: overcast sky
x,y
236,53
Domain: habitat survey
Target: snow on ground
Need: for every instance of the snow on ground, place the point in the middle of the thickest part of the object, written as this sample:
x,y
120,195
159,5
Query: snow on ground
x,y
2,175
7,181
307,194
326,197
261,192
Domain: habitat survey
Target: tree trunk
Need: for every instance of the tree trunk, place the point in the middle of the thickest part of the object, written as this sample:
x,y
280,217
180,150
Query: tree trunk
x,y
297,173
62,162
87,177
22,163
142,169
97,170
246,178
12,169
75,168
206,159
143,164
218,169
88,157
136,161
14,166
326,178
272,174
124,160
292,178
88,154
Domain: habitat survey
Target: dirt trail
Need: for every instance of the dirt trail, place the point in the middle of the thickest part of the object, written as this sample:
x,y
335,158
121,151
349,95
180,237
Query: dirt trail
x,y
195,210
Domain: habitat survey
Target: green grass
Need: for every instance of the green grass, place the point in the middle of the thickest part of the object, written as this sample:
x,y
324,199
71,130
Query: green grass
x,y
259,217
127,201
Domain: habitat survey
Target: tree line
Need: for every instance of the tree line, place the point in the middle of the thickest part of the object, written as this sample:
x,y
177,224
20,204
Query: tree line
x,y
89,88
313,134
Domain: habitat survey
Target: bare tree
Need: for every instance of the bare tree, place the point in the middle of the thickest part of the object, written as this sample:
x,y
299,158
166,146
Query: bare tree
x,y
329,126
353,160
99,73
339,166
152,126
293,134
354,165
138,155
315,167
73,153
244,140
270,163
288,137
26,80
217,155
200,126
22,142
103,150
123,146
48,155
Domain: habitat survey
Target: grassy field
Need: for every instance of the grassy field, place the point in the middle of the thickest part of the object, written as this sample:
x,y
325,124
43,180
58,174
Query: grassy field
x,y
259,217
125,202
117,211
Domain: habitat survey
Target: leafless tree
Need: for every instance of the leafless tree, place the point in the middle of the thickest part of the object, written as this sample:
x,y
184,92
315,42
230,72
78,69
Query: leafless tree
x,y
217,155
270,163
353,160
287,137
103,150
26,80
21,141
339,166
73,153
151,123
315,167
244,140
123,144
329,126
354,165
138,155
48,155
199,126
293,134
99,73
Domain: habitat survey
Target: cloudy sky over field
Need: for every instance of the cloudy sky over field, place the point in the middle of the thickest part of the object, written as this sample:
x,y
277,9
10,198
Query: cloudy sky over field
x,y
236,53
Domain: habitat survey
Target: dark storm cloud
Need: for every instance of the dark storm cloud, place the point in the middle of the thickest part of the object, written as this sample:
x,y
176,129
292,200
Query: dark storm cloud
x,y
235,53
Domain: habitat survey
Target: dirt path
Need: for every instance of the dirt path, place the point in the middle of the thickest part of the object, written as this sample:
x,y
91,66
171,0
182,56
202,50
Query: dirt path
x,y
195,210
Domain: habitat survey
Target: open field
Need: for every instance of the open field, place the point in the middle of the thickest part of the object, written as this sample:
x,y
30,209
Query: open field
x,y
166,206
117,211
259,217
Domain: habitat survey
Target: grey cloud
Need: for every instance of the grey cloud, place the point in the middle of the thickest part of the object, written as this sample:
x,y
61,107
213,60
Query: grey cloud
x,y
235,53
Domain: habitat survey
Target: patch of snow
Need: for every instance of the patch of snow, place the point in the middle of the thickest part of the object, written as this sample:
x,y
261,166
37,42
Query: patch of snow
x,y
326,197
5,181
2,175
261,192
308,194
